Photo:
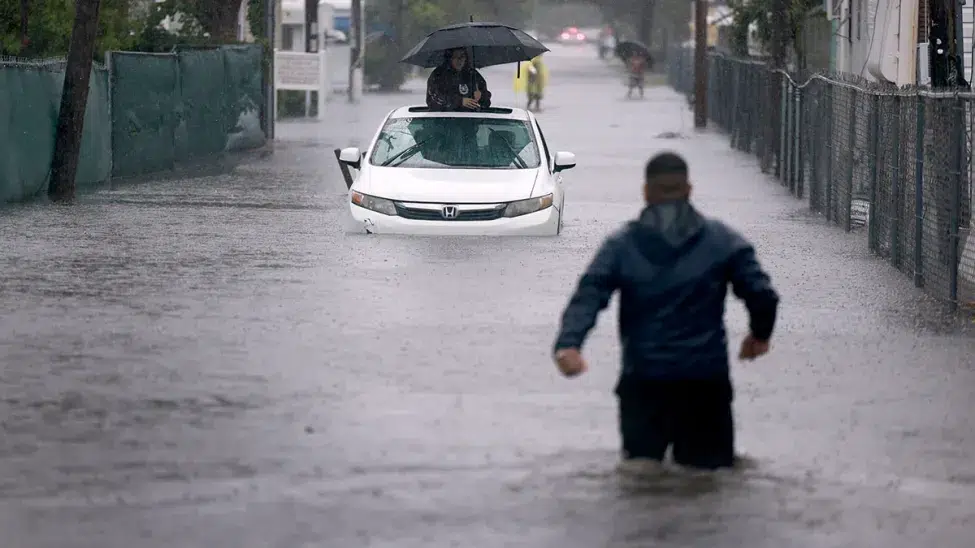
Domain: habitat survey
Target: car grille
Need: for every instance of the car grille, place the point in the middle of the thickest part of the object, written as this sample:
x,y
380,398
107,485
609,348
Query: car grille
x,y
423,214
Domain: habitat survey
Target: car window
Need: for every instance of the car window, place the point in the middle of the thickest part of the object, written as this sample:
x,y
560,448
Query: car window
x,y
445,142
548,156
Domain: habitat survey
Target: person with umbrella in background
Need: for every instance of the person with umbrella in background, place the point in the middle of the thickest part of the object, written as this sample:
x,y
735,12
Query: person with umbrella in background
x,y
636,56
455,84
672,267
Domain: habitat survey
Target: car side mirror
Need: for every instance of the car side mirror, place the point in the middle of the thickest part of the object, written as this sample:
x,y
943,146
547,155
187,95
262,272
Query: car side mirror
x,y
351,157
564,161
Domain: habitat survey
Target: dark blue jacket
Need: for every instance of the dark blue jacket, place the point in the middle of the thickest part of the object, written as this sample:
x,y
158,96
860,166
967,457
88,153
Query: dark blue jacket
x,y
672,268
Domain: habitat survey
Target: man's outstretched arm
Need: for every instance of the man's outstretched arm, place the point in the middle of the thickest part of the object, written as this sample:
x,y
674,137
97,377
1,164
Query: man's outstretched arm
x,y
752,285
593,293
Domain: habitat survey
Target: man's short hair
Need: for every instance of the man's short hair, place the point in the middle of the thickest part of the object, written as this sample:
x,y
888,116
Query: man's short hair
x,y
665,163
666,177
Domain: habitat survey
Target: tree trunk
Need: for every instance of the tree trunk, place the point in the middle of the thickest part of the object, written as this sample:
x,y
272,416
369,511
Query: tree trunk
x,y
74,99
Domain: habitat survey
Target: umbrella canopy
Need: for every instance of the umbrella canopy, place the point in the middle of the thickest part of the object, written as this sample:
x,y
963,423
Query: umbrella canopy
x,y
488,44
628,48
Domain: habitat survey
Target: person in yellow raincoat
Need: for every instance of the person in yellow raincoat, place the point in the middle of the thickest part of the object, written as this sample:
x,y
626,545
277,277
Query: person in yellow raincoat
x,y
532,79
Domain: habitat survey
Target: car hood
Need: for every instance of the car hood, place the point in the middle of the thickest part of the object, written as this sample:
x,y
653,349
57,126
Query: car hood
x,y
448,185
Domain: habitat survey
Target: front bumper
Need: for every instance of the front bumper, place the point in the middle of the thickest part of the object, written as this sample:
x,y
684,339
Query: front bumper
x,y
540,223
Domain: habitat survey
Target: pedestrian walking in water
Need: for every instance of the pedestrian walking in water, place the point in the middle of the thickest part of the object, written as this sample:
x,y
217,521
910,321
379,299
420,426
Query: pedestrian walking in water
x,y
532,77
672,267
636,66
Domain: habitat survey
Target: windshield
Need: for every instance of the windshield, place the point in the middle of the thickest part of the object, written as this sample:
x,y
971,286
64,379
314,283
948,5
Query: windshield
x,y
445,142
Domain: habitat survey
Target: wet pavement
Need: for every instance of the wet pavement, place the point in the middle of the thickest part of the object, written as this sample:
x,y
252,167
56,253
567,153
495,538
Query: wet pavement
x,y
221,361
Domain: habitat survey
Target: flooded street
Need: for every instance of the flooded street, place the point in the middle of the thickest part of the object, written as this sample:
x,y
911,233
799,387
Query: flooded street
x,y
223,361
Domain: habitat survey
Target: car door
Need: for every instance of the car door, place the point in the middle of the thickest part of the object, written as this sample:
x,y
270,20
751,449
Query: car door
x,y
548,163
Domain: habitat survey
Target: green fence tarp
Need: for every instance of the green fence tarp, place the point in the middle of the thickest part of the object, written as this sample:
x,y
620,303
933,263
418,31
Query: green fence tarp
x,y
95,164
204,91
144,112
157,110
195,103
245,82
29,101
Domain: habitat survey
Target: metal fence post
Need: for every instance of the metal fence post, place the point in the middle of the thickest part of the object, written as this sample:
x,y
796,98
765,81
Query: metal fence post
x,y
830,149
874,173
919,195
797,189
957,183
897,219
785,151
848,218
748,117
783,123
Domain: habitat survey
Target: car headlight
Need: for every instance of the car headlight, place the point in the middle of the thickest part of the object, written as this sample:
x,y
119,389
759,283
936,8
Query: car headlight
x,y
372,203
531,205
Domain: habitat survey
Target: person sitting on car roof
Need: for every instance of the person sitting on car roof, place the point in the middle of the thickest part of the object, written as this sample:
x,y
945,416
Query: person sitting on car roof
x,y
455,85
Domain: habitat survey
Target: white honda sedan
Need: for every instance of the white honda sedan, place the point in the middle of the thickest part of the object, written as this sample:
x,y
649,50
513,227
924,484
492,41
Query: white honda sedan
x,y
488,172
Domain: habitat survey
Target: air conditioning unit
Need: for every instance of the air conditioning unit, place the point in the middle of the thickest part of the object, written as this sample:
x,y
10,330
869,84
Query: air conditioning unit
x,y
923,63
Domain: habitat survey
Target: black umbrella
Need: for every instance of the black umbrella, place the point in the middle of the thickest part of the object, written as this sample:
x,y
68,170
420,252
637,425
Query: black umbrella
x,y
629,48
488,44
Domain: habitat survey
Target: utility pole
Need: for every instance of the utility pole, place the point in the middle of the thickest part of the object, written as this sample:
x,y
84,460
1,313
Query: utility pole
x,y
311,26
74,99
779,22
356,54
270,25
311,41
700,64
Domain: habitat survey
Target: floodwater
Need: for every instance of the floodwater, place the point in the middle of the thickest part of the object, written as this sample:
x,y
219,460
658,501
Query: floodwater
x,y
221,360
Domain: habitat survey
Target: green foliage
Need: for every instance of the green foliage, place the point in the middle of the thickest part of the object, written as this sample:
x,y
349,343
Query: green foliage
x,y
382,66
50,23
256,19
214,19
747,12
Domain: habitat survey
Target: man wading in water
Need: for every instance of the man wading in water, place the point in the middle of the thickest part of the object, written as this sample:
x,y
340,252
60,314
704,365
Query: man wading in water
x,y
672,267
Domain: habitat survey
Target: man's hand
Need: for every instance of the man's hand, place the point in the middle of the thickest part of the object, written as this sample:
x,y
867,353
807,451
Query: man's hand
x,y
470,103
477,95
570,362
752,348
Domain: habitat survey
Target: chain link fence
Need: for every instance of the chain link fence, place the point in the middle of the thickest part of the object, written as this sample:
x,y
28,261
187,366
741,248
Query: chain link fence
x,y
896,162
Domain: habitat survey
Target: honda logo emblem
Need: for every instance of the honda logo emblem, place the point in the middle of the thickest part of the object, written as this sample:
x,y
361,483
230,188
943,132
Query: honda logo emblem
x,y
449,212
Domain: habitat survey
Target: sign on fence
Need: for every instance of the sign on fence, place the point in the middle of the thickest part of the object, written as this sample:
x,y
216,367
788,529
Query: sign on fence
x,y
294,70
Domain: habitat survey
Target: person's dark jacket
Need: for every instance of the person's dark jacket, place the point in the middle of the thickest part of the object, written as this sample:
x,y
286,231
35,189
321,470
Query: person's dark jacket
x,y
672,268
447,88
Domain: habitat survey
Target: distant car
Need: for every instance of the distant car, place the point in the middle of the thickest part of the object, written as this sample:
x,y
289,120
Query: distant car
x,y
335,37
487,172
572,35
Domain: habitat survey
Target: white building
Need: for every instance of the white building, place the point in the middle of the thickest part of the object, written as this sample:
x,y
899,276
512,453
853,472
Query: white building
x,y
887,40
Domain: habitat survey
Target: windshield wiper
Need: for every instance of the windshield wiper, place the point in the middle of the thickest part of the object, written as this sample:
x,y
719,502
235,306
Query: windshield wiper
x,y
518,161
405,154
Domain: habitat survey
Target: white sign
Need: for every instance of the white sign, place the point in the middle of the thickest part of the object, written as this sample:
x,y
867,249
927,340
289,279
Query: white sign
x,y
294,70
298,71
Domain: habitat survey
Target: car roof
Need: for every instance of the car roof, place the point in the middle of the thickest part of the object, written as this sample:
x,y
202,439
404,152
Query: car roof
x,y
422,111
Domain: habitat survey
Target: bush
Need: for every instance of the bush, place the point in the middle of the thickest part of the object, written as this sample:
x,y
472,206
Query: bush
x,y
291,104
382,67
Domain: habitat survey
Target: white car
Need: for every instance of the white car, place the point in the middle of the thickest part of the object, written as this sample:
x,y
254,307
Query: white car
x,y
488,172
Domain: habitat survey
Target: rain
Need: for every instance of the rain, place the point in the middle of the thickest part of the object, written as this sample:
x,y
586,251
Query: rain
x,y
221,358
